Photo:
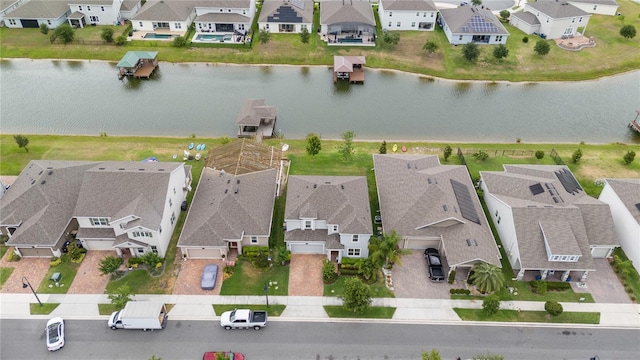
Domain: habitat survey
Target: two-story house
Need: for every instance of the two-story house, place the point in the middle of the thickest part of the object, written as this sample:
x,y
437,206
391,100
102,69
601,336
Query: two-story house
x,y
407,14
328,215
551,19
98,12
225,16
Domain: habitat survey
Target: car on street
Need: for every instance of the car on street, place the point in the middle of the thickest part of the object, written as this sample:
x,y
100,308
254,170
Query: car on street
x,y
209,274
434,263
55,334
213,355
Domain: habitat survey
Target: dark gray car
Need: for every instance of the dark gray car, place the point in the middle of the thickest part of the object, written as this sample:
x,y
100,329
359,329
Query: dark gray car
x,y
209,275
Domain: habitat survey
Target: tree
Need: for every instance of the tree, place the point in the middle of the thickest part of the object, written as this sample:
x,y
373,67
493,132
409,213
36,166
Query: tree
x,y
447,152
356,295
120,298
386,252
491,304
430,46
539,154
367,269
304,35
44,28
383,147
470,51
22,141
391,37
284,255
487,278
179,41
346,148
328,271
121,40
628,31
542,47
629,157
431,355
500,51
107,34
504,15
481,155
577,155
553,307
313,144
75,252
109,264
264,36
476,2
65,33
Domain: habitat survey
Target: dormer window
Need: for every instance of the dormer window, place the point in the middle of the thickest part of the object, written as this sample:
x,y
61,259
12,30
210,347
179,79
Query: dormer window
x,y
307,224
99,221
354,238
335,228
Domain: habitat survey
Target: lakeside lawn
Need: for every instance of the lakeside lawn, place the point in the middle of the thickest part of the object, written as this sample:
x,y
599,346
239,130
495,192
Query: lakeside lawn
x,y
613,53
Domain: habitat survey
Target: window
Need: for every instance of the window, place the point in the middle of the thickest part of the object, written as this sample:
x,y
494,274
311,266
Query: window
x,y
229,10
389,23
302,27
307,224
140,251
547,19
173,218
595,7
555,258
101,8
94,19
123,226
335,228
99,221
418,13
573,20
390,14
431,14
140,23
499,218
174,188
580,19
241,26
244,12
154,249
564,258
177,25
496,212
12,21
88,8
79,7
160,230
573,258
460,37
353,252
267,26
413,24
354,238
398,24
499,38
49,22
170,203
254,239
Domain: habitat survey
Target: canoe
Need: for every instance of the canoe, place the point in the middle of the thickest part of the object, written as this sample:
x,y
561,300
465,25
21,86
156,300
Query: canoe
x,y
191,146
395,147
404,149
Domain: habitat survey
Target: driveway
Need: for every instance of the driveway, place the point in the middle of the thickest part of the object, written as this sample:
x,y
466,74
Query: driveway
x,y
411,279
34,269
305,275
190,274
603,284
88,279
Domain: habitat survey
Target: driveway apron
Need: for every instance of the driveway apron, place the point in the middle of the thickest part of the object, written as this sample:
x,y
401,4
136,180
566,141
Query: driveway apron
x,y
305,275
88,279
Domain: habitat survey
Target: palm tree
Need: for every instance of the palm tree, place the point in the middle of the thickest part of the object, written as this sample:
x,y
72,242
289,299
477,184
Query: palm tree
x,y
386,252
487,278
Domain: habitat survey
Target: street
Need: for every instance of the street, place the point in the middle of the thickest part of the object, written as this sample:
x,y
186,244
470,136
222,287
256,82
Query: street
x,y
285,340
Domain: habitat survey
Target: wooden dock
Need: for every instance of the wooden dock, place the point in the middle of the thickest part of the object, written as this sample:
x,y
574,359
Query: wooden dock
x,y
147,68
138,64
635,124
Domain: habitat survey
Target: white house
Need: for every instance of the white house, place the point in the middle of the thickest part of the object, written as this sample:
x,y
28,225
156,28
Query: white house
x,y
407,14
129,8
172,16
34,13
328,215
467,24
127,206
547,224
98,12
286,16
551,19
623,197
225,16
7,6
348,22
601,7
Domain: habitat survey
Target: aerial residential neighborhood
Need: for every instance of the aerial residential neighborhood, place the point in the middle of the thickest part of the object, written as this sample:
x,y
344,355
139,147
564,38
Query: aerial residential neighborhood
x,y
258,207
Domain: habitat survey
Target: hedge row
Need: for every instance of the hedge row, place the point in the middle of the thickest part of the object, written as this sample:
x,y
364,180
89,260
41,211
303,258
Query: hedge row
x,y
253,251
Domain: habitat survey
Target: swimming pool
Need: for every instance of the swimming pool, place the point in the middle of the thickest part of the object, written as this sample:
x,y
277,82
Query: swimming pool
x,y
213,37
157,36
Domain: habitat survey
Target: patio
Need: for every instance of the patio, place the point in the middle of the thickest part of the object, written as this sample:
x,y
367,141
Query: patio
x,y
358,38
576,43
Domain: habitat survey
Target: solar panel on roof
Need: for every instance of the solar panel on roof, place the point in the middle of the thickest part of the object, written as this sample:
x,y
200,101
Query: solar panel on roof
x,y
567,180
536,189
465,202
285,14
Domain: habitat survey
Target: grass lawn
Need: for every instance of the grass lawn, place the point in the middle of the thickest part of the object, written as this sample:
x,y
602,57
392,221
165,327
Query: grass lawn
x,y
3,250
247,280
378,290
272,310
106,309
5,272
529,316
630,280
139,281
374,312
45,309
68,271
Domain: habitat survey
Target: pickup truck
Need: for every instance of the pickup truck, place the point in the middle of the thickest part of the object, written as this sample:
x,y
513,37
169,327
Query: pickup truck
x,y
243,319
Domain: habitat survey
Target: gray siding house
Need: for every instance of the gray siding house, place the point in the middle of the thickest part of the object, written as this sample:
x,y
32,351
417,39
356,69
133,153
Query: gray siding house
x,y
32,14
467,24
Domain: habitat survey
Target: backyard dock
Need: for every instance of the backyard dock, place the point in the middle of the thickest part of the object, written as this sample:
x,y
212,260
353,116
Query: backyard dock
x,y
635,123
349,68
138,64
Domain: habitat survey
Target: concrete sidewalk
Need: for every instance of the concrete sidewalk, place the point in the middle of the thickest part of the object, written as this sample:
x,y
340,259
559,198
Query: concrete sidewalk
x,y
307,308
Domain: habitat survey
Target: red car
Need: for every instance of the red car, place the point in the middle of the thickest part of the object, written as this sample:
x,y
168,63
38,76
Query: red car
x,y
212,355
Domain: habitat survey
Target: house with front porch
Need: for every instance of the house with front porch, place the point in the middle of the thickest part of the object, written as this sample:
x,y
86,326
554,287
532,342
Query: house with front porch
x,y
127,206
623,197
286,16
225,17
32,14
328,215
548,225
229,211
348,22
166,16
551,19
430,205
407,14
466,24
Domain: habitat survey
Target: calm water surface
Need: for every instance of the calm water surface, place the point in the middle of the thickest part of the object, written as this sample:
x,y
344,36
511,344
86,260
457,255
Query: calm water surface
x,y
86,97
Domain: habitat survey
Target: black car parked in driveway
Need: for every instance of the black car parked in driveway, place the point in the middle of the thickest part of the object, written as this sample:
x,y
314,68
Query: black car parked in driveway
x,y
436,272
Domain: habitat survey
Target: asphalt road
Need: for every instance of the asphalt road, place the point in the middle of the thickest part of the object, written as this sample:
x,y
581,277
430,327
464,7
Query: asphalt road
x,y
282,340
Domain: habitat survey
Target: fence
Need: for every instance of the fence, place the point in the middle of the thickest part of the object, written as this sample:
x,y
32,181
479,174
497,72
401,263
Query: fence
x,y
512,152
556,158
461,156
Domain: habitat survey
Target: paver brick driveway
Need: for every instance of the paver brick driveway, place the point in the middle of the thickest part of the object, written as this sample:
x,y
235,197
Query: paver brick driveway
x,y
88,279
34,269
188,281
305,275
411,279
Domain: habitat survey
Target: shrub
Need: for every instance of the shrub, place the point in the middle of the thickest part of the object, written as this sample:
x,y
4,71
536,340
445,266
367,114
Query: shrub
x,y
538,286
151,259
75,253
525,39
134,261
554,308
229,269
179,41
109,264
107,34
253,251
629,157
539,154
452,276
481,155
453,291
261,261
55,261
491,304
577,155
79,259
121,40
557,285
44,28
13,256
328,271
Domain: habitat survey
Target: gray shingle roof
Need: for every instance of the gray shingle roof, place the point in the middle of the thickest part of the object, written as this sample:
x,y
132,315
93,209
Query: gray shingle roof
x,y
253,111
169,10
271,8
594,2
218,212
90,2
41,9
415,189
471,20
628,190
129,4
341,200
527,17
223,17
410,5
557,10
332,241
335,12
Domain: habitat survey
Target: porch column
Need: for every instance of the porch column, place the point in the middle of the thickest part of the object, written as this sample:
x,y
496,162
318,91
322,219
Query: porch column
x,y
543,274
583,278
520,275
565,275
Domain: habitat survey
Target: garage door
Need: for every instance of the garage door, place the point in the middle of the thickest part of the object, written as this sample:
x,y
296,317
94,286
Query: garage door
x,y
599,252
29,23
307,248
98,244
203,253
420,244
36,252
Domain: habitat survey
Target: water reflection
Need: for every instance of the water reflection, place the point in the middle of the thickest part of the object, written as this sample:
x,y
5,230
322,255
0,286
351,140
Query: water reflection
x,y
342,87
304,71
490,88
426,79
460,89
75,64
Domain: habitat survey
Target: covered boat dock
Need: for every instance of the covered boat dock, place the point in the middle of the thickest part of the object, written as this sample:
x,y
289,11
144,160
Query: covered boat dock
x,y
139,64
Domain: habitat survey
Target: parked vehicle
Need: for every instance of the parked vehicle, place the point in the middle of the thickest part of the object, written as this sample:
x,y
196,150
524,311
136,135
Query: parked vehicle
x,y
209,275
55,334
211,355
139,315
243,319
436,272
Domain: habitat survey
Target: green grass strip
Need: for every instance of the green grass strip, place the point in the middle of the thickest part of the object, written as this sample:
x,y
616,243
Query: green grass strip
x,y
374,312
272,310
529,316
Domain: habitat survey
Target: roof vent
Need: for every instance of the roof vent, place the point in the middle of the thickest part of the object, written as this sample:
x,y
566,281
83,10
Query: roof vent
x,y
238,181
40,173
226,190
235,191
315,186
121,169
101,168
42,182
468,242
141,169
50,172
408,166
342,187
228,181
638,206
444,207
160,169
429,180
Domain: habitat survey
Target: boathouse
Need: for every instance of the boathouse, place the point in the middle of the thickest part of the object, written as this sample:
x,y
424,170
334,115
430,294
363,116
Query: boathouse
x,y
348,68
256,119
139,64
